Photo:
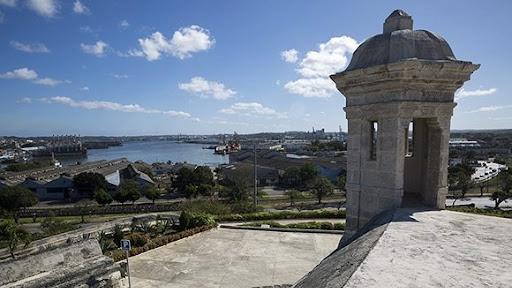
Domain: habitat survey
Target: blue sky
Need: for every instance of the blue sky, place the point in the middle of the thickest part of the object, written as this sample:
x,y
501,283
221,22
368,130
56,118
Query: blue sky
x,y
201,67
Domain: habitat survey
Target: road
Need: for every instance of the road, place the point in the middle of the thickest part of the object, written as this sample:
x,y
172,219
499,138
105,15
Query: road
x,y
486,171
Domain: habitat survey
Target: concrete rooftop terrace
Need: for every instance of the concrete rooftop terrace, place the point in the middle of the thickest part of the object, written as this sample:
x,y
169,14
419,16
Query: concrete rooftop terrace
x,y
232,258
414,248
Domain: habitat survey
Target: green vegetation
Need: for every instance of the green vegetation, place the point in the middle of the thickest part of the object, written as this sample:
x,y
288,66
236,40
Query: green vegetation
x,y
19,167
257,216
53,226
190,220
459,180
328,146
505,186
102,197
13,235
195,182
151,193
128,191
14,198
89,182
322,187
487,212
300,225
156,242
145,235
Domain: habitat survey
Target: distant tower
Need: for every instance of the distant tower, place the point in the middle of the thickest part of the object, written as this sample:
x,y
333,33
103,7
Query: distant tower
x,y
395,78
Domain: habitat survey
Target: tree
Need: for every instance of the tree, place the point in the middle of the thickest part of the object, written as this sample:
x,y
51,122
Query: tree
x,y
184,177
237,189
121,196
202,175
505,185
341,181
84,207
89,182
151,193
130,190
294,196
464,183
205,190
291,178
102,197
322,187
14,198
191,191
13,235
481,185
308,174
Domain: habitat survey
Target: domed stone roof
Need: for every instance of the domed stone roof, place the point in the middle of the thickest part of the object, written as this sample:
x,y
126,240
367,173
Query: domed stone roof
x,y
397,42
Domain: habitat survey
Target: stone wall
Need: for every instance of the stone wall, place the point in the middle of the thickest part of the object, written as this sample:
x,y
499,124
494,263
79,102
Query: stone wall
x,y
72,264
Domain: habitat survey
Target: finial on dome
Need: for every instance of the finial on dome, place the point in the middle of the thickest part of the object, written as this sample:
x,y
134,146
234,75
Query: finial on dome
x,y
397,20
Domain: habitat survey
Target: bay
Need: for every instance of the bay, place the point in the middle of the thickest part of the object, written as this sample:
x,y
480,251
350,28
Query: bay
x,y
159,151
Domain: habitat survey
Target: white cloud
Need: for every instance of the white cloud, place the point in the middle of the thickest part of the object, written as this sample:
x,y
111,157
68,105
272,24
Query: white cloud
x,y
21,73
9,3
49,81
462,93
85,88
290,56
98,49
120,76
207,88
252,109
25,100
86,29
29,74
131,53
80,8
46,8
30,48
183,43
491,108
124,23
311,87
331,57
112,106
317,65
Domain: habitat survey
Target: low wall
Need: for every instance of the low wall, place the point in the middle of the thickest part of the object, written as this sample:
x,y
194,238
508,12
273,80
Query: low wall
x,y
100,210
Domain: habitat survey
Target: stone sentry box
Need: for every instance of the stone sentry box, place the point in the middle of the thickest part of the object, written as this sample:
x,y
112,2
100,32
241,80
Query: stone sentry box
x,y
396,78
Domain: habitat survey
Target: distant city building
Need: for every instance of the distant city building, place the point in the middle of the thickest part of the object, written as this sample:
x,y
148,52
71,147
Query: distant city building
x,y
463,143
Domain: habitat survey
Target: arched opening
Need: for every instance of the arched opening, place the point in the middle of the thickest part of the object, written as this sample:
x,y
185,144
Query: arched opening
x,y
415,162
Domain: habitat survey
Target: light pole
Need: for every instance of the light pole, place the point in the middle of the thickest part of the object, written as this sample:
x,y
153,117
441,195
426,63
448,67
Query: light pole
x,y
255,193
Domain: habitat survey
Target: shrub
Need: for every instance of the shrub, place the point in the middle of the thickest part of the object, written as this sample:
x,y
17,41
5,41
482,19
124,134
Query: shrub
x,y
119,255
52,226
322,214
300,225
244,207
339,226
138,239
191,220
206,206
117,234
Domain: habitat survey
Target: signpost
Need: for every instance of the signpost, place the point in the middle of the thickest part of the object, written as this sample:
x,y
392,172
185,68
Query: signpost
x,y
127,246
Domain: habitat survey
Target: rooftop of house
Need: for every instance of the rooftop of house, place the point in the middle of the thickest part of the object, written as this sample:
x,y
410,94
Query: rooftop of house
x,y
421,248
